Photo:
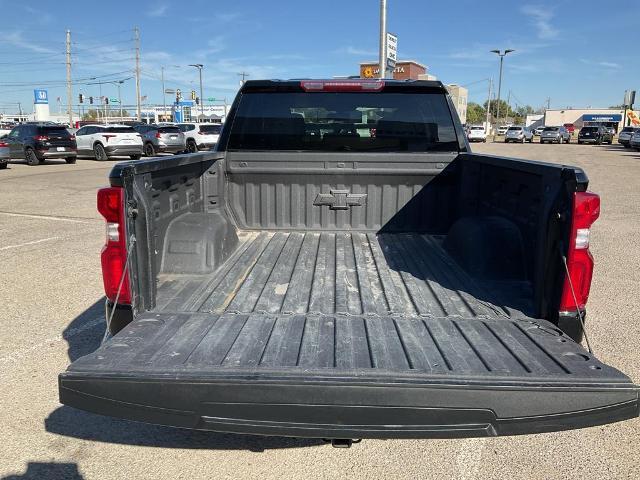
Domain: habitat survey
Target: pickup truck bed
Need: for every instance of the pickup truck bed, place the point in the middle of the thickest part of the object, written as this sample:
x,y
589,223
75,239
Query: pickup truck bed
x,y
370,334
343,267
405,275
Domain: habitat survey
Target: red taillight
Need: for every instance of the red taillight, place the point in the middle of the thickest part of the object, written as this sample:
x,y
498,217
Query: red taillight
x,y
586,210
72,137
107,137
114,252
342,85
41,138
3,144
158,135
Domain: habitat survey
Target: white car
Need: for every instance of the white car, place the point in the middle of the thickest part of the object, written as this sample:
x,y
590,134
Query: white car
x,y
104,141
200,136
477,133
502,129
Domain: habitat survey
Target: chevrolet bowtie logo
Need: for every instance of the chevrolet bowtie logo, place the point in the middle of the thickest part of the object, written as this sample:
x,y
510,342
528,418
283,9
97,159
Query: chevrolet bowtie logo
x,y
341,199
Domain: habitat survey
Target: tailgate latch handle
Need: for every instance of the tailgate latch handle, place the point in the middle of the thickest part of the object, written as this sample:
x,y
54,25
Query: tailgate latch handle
x,y
341,199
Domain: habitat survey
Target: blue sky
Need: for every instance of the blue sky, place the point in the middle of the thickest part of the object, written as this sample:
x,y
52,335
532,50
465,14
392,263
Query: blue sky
x,y
569,51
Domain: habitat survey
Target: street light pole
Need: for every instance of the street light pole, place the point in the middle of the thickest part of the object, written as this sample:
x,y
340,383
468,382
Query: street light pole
x,y
164,95
199,67
501,54
383,39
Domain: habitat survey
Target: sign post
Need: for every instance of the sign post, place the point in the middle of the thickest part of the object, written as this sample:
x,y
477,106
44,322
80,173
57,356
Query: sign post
x,y
392,51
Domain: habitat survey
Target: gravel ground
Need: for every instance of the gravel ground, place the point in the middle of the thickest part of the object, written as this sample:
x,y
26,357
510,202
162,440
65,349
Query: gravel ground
x,y
51,297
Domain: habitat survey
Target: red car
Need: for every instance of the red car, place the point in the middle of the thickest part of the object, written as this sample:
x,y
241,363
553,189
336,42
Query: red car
x,y
571,127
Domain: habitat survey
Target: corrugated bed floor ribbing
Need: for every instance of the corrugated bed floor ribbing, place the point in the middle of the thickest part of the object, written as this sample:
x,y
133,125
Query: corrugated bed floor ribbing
x,y
403,275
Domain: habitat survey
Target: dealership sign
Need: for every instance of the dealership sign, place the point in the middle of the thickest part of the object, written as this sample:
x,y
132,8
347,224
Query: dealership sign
x,y
40,97
602,118
392,50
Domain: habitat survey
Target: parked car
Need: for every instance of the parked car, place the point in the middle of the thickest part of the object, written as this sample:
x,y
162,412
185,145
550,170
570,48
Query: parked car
x,y
594,134
5,128
477,133
502,129
105,141
625,135
274,292
570,127
538,131
5,154
555,135
634,142
36,142
519,134
200,136
161,139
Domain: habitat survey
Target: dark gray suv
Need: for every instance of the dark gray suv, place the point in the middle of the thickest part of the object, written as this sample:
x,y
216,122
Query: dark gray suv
x,y
161,138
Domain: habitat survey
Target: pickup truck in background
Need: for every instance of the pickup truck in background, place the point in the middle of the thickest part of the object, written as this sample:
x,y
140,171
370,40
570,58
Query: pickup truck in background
x,y
343,266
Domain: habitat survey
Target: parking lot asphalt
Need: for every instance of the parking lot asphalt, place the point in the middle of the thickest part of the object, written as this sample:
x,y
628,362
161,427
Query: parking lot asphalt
x,y
51,313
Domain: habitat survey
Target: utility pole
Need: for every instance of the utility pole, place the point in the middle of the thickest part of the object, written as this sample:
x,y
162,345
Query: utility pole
x,y
508,105
488,127
383,39
501,54
548,103
243,75
136,36
69,88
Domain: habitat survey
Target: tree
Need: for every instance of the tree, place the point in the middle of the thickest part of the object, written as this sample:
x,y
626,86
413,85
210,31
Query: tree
x,y
476,113
92,114
505,109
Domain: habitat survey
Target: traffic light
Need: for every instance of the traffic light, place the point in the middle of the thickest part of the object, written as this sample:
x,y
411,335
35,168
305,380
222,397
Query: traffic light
x,y
193,94
106,100
91,100
81,98
197,100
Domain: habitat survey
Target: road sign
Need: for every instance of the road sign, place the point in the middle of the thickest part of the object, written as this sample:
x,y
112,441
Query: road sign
x,y
629,97
169,91
392,49
211,99
114,100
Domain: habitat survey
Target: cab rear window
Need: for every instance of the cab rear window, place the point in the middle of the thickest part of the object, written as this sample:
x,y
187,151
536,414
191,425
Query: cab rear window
x,y
348,122
210,129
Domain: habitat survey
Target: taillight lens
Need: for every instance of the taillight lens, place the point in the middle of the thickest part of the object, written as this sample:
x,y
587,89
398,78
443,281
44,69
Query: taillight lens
x,y
3,144
41,138
114,252
107,137
72,137
158,135
586,210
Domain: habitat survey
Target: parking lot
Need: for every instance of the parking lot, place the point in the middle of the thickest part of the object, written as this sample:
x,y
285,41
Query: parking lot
x,y
52,313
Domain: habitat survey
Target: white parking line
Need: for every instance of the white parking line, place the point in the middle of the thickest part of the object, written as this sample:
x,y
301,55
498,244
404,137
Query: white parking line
x,y
26,244
46,217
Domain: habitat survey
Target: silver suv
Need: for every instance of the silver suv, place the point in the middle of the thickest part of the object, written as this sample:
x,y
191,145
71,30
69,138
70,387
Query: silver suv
x,y
518,134
200,136
555,135
161,138
625,136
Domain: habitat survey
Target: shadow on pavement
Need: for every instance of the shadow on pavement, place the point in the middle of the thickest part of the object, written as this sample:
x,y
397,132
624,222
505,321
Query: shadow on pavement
x,y
74,423
84,334
48,470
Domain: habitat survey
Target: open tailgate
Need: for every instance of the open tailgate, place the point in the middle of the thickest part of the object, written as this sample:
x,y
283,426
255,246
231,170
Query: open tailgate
x,y
349,377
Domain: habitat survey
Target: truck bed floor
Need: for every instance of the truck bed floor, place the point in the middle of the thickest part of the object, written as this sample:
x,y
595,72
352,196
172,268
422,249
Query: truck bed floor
x,y
403,275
